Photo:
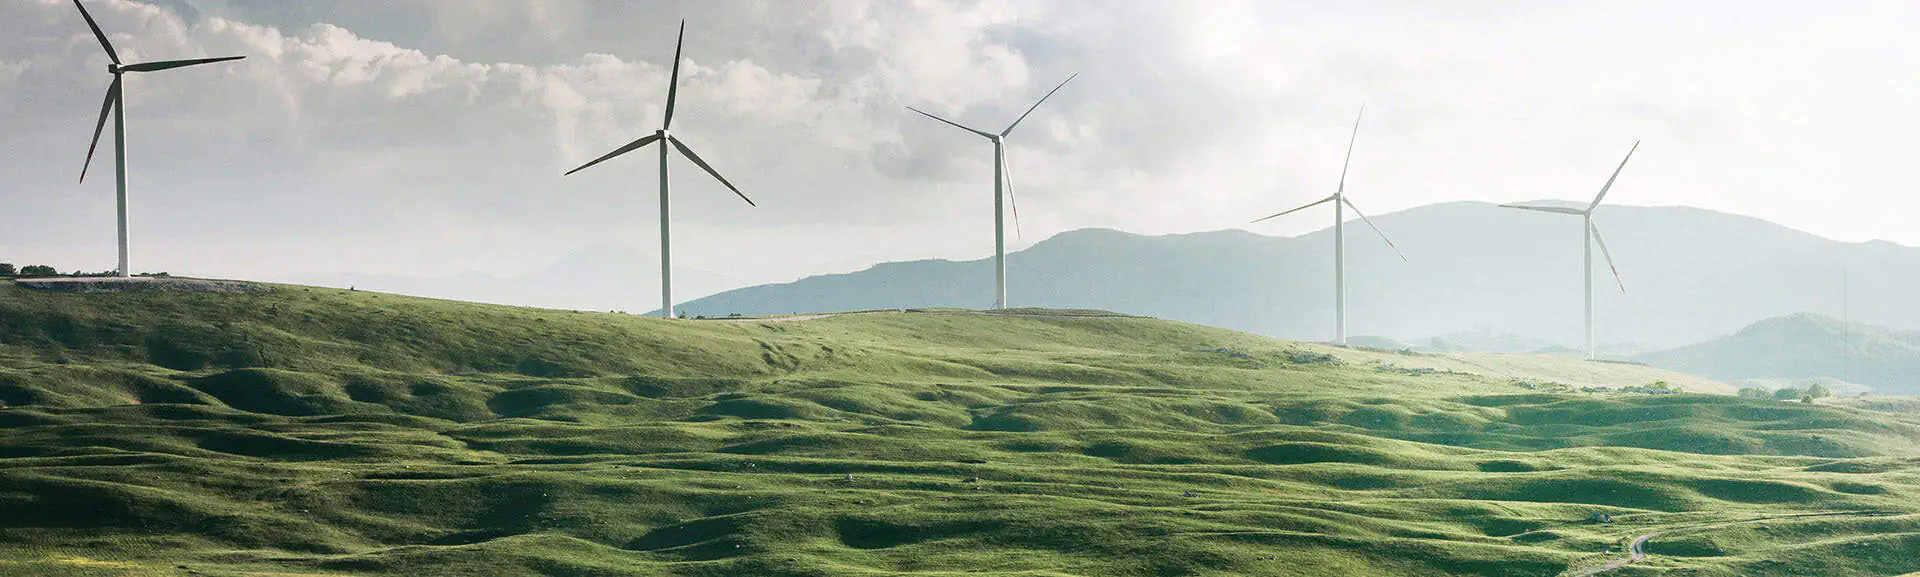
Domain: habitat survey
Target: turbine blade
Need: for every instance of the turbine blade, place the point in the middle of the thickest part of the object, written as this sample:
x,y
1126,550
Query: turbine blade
x,y
1297,209
111,55
630,147
1007,169
673,83
955,124
1350,141
1552,209
1595,229
1616,174
1023,116
113,99
1376,229
703,165
171,64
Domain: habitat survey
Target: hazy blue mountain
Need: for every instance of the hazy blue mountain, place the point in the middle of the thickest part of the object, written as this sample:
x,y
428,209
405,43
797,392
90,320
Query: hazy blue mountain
x,y
1691,274
1801,348
606,276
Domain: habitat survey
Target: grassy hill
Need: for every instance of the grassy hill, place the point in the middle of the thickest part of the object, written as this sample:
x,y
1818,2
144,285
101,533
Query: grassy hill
x,y
1805,346
305,431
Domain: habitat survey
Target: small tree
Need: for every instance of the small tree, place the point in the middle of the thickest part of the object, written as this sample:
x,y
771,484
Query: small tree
x,y
6,269
1789,393
1819,391
38,270
1754,393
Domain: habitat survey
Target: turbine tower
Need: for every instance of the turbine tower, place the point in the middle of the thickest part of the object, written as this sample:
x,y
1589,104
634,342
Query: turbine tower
x,y
662,135
1590,236
1340,202
1000,179
116,105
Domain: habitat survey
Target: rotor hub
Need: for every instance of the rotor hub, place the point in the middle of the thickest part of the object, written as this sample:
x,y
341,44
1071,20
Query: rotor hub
x,y
113,68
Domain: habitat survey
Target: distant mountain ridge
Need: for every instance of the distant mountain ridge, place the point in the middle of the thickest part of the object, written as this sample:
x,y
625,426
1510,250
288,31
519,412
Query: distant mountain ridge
x,y
1691,274
1804,346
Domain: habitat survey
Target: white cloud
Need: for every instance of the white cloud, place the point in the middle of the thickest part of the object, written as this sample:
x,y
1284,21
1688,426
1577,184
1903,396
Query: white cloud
x,y
415,135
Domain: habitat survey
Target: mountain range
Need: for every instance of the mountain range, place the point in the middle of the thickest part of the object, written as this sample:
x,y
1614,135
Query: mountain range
x,y
1690,275
1803,347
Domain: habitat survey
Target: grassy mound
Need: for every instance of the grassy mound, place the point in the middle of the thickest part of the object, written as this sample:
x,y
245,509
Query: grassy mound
x,y
307,431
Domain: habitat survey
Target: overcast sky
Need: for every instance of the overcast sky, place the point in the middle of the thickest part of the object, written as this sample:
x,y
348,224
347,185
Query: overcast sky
x,y
427,137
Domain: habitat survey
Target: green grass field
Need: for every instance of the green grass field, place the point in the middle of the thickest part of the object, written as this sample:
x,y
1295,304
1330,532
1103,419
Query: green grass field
x,y
307,431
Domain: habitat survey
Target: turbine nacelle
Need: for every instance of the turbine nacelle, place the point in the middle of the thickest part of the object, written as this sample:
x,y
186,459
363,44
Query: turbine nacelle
x,y
1340,204
1002,177
114,105
667,141
1591,235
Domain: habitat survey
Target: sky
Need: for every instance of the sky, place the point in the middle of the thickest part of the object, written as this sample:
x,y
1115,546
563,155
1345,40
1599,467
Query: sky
x,y
426,138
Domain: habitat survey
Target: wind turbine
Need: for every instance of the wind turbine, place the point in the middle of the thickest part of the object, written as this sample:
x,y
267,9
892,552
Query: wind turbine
x,y
117,106
1340,202
1000,178
1590,235
662,135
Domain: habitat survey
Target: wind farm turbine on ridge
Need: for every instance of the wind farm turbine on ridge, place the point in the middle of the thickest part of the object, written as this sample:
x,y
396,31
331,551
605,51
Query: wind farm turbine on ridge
x,y
1591,236
1000,179
1340,202
116,105
667,138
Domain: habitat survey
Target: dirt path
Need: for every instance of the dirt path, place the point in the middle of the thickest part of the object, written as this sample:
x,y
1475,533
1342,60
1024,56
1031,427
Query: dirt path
x,y
809,317
785,319
1637,548
139,283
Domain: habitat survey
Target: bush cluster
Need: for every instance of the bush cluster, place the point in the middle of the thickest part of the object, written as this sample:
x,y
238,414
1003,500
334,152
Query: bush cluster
x,y
37,270
1806,394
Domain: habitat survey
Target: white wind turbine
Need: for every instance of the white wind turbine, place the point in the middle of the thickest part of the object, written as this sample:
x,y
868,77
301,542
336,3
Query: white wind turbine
x,y
116,105
1001,178
1340,202
666,243
1590,235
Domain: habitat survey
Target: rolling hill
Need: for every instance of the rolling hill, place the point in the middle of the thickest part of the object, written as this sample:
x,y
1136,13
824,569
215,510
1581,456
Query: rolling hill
x,y
1804,346
1691,275
309,431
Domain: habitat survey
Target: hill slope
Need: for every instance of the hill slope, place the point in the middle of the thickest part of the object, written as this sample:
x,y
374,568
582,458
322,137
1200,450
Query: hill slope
x,y
320,432
1805,346
1692,275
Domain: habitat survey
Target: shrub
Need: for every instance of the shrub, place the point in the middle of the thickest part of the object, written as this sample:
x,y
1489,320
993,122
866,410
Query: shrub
x,y
1789,393
1754,393
38,270
1819,391
6,269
